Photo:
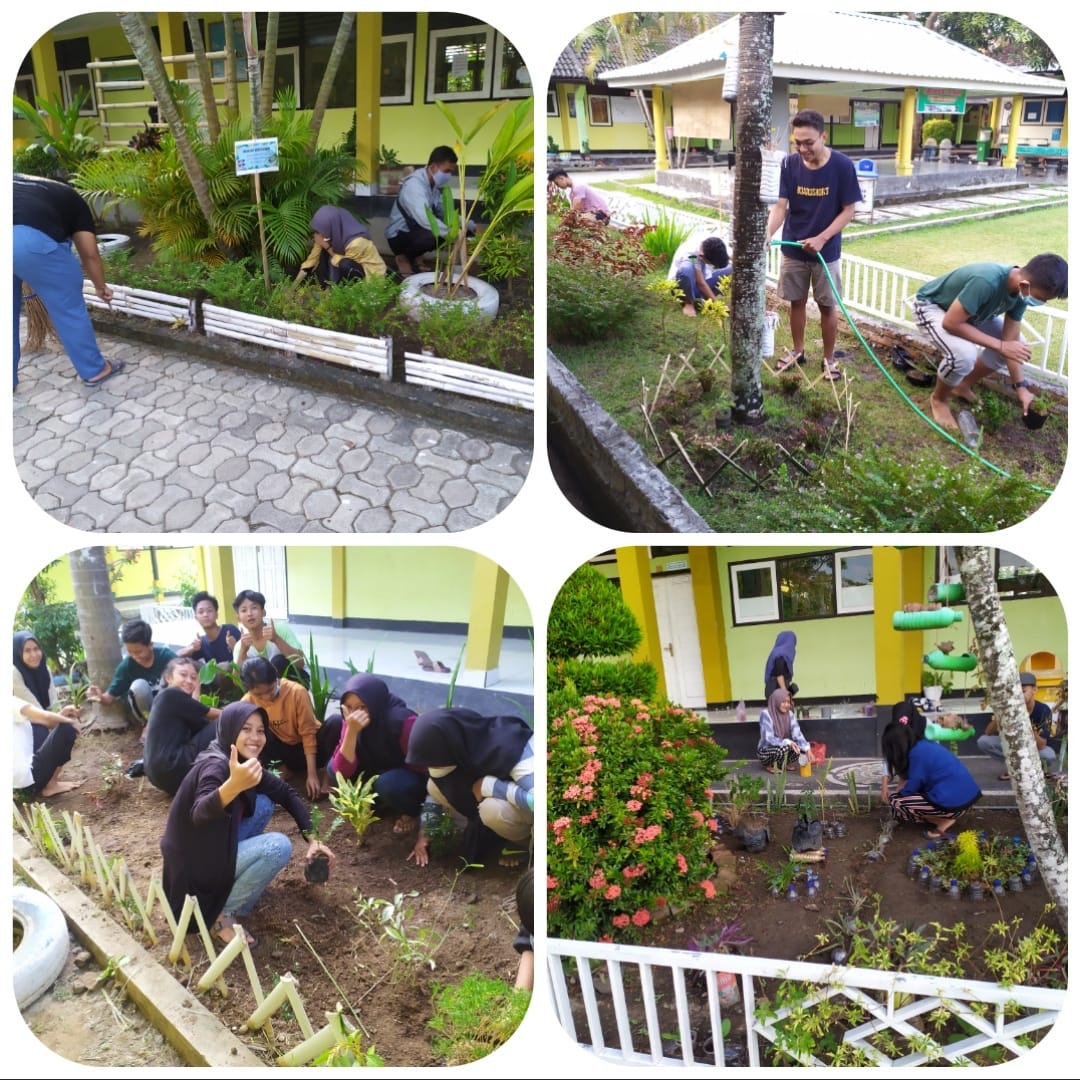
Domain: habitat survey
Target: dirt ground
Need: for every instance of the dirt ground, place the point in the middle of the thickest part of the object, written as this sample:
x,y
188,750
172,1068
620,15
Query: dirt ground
x,y
470,916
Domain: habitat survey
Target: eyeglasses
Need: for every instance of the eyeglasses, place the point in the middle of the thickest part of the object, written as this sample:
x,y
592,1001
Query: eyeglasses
x,y
801,144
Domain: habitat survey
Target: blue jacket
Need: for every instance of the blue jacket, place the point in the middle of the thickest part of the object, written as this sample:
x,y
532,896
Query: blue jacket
x,y
939,776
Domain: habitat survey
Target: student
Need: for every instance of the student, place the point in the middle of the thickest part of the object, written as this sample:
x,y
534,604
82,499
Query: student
x,y
781,739
215,642
138,674
937,788
583,199
214,847
780,665
342,249
973,316
180,726
699,266
270,638
1041,718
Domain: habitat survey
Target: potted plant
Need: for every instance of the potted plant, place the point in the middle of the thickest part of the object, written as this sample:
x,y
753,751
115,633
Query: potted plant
x,y
807,833
451,280
743,792
391,171
936,684
727,938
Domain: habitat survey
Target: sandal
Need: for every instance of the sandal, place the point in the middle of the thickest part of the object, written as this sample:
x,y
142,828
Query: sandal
x,y
512,857
768,768
830,370
225,923
1004,776
933,834
788,361
114,368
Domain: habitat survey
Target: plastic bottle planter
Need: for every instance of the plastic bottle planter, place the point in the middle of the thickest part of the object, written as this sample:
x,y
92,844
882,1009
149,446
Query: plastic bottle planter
x,y
940,661
950,592
926,620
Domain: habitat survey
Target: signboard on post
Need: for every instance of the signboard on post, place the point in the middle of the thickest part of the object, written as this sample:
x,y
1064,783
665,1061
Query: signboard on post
x,y
950,102
254,157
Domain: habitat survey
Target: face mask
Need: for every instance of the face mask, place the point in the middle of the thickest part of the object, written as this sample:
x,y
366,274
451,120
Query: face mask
x,y
442,179
1030,300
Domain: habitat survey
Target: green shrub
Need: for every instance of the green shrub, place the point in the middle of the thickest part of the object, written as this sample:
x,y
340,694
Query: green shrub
x,y
589,617
237,285
475,1017
56,626
665,237
354,307
584,305
631,824
938,130
35,160
571,680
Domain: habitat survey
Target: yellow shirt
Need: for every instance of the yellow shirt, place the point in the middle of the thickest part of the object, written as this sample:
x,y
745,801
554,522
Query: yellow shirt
x,y
360,249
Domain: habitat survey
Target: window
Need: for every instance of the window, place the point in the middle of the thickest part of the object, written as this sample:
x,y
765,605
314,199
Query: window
x,y
1017,579
816,585
552,103
24,88
76,82
1032,111
1055,111
459,63
512,78
396,79
599,111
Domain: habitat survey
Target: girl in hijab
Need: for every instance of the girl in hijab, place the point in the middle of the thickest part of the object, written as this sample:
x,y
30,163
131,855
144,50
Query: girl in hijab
x,y
180,726
482,767
214,847
780,667
44,735
375,727
781,738
342,249
936,787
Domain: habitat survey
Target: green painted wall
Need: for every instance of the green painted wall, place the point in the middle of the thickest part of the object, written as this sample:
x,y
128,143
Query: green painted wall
x,y
136,579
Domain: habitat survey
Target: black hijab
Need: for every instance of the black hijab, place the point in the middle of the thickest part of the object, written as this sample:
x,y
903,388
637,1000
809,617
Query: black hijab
x,y
378,746
38,680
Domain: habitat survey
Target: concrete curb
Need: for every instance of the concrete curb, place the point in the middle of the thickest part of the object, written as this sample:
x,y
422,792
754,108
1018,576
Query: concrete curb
x,y
188,1026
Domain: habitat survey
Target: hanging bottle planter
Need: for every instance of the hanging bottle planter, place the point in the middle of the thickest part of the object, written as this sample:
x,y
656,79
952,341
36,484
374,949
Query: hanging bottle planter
x,y
925,620
940,661
949,592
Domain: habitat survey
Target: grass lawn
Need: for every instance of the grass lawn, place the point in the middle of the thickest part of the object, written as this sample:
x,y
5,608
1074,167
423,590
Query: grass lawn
x,y
895,474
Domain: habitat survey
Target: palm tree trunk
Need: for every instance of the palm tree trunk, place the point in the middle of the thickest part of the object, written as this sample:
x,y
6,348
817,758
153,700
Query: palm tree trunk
x,y
337,54
266,98
137,31
750,214
251,44
232,100
202,65
97,613
1021,754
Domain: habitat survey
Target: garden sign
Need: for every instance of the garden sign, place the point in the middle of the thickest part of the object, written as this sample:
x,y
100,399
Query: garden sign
x,y
253,158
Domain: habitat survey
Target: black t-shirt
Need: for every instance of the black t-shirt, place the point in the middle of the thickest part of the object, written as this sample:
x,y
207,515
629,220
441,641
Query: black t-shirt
x,y
172,737
50,207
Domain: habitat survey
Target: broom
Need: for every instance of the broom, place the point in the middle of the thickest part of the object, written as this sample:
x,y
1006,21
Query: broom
x,y
38,324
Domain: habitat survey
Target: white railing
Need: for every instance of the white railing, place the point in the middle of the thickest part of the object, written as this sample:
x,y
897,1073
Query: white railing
x,y
632,1030
884,292
628,210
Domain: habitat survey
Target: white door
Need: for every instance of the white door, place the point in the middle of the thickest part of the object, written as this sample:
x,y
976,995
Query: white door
x,y
262,568
677,621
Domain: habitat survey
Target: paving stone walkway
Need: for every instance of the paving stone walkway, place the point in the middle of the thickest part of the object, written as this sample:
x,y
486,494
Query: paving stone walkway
x,y
179,444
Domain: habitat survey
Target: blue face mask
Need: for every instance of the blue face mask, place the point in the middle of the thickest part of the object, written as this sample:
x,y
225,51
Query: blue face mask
x,y
1032,302
441,179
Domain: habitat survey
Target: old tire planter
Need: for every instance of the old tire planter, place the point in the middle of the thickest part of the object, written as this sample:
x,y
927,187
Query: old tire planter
x,y
486,301
43,951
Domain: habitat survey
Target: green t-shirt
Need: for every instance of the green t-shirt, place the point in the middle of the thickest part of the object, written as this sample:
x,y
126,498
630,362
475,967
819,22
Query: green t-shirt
x,y
982,289
127,671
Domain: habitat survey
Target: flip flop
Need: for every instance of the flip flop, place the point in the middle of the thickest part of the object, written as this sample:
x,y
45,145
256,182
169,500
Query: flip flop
x,y
788,361
1033,420
115,367
227,922
919,378
830,370
1004,776
931,834
512,857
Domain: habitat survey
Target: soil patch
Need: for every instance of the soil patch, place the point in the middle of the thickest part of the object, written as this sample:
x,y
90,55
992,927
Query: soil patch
x,y
467,919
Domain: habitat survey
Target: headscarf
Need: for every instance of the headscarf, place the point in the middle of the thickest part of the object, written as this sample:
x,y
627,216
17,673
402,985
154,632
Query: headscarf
x,y
38,680
781,722
230,724
339,225
474,745
378,746
783,647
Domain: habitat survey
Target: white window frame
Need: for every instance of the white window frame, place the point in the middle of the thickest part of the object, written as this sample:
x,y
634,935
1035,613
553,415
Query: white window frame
x,y
406,98
854,608
740,617
552,103
435,39
20,90
607,105
90,105
522,92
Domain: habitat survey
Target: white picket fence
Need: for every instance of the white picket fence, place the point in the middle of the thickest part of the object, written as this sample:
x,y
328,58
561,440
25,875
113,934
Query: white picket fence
x,y
888,1003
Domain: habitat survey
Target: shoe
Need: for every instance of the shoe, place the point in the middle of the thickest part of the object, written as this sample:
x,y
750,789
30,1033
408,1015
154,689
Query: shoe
x,y
830,370
115,367
1004,776
788,361
135,769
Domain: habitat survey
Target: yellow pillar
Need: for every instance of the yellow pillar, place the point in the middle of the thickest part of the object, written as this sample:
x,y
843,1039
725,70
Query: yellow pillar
x,y
709,610
171,28
635,582
906,133
487,615
221,577
1008,160
565,93
46,75
337,586
898,580
368,72
660,137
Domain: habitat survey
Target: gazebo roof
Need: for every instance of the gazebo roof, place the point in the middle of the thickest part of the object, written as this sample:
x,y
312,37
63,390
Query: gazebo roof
x,y
852,52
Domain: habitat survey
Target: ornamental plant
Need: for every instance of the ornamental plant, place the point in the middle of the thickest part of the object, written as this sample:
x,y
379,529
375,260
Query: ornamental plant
x,y
630,822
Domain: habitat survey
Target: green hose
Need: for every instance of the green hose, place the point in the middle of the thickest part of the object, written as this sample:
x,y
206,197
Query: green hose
x,y
897,387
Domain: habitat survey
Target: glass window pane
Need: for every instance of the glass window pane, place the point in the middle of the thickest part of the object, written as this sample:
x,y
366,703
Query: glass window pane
x,y
754,597
394,79
460,62
856,582
806,586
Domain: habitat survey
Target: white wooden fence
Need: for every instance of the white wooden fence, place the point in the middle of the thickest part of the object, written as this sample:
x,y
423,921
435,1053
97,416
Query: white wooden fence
x,y
882,1004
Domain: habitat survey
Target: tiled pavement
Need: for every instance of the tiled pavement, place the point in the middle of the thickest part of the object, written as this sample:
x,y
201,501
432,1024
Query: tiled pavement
x,y
176,443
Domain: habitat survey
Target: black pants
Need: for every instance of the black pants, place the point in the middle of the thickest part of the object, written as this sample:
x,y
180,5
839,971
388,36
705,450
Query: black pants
x,y
292,754
326,273
52,748
414,243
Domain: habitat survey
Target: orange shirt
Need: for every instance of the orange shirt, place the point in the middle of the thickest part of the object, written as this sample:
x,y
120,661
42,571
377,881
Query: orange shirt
x,y
291,715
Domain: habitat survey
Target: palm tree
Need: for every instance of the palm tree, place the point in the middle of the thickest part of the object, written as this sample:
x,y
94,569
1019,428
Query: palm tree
x,y
232,101
202,65
1021,754
251,44
266,98
137,31
753,117
337,54
97,612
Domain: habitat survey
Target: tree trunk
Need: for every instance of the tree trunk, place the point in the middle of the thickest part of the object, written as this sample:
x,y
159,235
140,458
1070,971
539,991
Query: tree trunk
x,y
202,65
1021,754
232,100
753,121
137,31
97,614
266,98
251,44
337,54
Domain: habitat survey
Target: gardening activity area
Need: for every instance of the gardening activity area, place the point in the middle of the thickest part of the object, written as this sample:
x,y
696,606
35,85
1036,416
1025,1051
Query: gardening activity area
x,y
795,906
859,452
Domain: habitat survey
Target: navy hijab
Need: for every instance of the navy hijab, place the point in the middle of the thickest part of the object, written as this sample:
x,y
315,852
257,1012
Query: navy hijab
x,y
38,680
784,648
378,746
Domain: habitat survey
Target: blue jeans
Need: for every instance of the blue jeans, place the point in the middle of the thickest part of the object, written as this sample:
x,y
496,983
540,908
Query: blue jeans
x,y
687,279
54,272
402,790
254,825
258,861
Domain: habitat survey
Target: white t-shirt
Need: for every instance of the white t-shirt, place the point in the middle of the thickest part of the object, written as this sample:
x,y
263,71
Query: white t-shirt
x,y
690,246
